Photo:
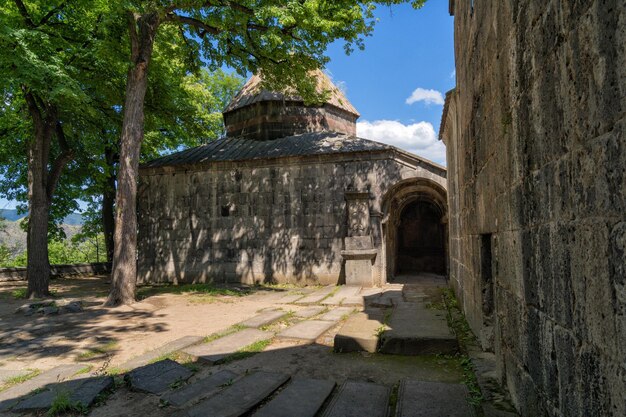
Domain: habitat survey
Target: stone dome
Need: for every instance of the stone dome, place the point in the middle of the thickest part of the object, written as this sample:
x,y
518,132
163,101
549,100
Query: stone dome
x,y
259,114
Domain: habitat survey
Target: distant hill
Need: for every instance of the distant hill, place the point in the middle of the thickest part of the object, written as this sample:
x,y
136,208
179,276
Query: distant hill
x,y
73,219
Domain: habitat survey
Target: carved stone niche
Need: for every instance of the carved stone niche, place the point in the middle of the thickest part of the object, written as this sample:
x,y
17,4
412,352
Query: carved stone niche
x,y
359,252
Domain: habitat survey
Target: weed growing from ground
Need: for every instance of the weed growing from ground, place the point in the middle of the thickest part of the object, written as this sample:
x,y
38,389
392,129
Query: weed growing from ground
x,y
62,404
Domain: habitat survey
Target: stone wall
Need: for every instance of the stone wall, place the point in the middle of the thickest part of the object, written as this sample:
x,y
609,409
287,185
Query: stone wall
x,y
535,133
267,120
69,270
281,220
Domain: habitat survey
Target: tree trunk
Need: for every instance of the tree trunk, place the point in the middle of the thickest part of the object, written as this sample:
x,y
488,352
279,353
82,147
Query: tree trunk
x,y
142,30
37,264
108,204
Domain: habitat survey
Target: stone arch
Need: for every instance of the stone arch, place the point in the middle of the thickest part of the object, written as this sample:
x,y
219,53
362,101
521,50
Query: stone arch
x,y
400,199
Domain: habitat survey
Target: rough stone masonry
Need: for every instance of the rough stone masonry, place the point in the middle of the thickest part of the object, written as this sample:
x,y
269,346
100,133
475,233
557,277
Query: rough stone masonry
x,y
536,154
289,195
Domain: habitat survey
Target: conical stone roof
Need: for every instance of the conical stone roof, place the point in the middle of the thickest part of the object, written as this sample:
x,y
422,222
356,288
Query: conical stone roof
x,y
256,113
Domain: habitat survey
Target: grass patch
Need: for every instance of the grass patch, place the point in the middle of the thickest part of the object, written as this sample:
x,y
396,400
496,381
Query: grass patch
x,y
460,327
115,371
232,329
20,293
84,370
278,324
393,399
97,351
62,404
195,289
19,379
248,351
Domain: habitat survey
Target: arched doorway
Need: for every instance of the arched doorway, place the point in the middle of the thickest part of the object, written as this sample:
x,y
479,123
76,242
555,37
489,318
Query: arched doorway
x,y
420,235
415,229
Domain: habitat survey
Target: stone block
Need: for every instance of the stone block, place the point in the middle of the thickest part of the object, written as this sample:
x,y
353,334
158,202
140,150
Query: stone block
x,y
302,398
157,377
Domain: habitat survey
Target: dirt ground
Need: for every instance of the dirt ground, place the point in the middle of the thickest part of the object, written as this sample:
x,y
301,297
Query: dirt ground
x,y
103,338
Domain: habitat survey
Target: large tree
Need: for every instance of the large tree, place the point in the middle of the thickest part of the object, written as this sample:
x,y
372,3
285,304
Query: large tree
x,y
45,45
284,40
62,92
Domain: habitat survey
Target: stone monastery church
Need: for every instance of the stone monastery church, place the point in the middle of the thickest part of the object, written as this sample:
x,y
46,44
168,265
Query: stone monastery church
x,y
291,195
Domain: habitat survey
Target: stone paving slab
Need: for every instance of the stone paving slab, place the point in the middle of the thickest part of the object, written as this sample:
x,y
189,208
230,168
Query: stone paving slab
x,y
83,391
9,397
263,319
432,399
341,294
317,296
241,396
385,299
309,311
336,314
157,377
159,352
290,298
358,399
359,333
307,330
200,389
12,373
417,330
301,398
223,347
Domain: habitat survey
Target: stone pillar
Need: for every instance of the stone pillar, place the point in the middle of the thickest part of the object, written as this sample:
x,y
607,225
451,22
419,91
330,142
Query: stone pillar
x,y
359,252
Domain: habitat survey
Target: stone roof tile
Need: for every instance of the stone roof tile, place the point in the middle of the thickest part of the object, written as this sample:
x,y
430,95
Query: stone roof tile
x,y
238,149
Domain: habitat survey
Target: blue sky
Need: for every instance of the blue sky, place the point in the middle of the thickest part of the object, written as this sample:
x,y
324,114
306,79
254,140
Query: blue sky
x,y
409,50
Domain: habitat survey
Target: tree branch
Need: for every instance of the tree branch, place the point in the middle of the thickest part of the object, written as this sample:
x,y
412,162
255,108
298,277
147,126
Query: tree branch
x,y
202,27
59,163
134,37
33,108
51,13
24,12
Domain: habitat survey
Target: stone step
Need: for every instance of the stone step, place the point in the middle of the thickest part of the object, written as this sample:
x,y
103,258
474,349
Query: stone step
x,y
341,294
309,312
263,319
317,296
223,347
415,329
358,399
240,397
198,390
308,330
302,398
336,314
157,377
386,299
11,396
360,332
432,399
83,391
159,352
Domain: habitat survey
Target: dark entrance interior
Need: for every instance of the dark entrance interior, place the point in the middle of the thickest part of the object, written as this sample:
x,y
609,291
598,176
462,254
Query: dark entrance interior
x,y
421,237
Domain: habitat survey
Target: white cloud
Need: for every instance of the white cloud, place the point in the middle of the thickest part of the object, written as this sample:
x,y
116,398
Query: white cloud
x,y
427,96
418,138
453,73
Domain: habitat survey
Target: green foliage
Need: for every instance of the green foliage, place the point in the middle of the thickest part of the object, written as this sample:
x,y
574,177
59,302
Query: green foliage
x,y
78,250
19,379
192,289
62,404
247,351
20,293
